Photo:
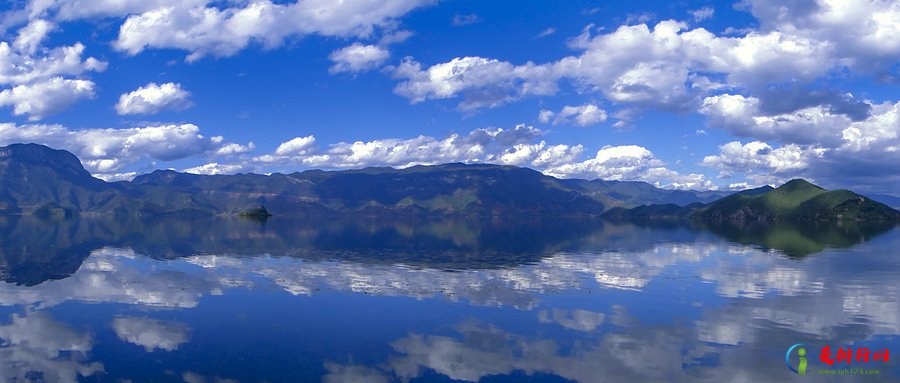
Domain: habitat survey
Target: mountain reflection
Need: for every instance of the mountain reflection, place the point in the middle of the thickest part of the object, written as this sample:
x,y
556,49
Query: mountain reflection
x,y
585,301
800,238
35,250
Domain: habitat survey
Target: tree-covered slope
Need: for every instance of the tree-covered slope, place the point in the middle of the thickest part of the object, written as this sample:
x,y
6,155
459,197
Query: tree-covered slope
x,y
799,199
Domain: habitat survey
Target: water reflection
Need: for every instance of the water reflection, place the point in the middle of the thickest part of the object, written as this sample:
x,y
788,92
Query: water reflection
x,y
38,348
800,239
35,250
376,301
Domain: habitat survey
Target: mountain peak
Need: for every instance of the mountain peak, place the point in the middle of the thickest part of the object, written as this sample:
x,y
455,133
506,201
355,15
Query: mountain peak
x,y
798,184
36,154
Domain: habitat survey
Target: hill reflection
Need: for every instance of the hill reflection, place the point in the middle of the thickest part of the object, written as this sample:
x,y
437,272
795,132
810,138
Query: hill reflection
x,y
35,250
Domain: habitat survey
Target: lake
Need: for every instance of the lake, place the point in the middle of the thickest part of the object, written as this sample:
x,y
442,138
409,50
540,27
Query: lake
x,y
442,300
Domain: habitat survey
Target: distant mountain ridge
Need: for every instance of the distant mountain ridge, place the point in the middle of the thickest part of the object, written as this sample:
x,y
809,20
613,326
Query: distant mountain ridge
x,y
35,179
795,200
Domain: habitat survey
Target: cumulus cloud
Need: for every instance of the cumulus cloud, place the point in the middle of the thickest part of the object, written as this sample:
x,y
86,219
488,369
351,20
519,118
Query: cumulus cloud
x,y
232,148
519,146
862,34
223,31
484,83
357,58
822,142
104,151
668,65
296,146
761,162
741,115
19,68
39,77
31,36
479,145
629,163
583,115
38,100
151,334
153,98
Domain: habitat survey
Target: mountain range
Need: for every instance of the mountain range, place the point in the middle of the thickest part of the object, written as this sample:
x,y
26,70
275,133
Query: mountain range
x,y
35,179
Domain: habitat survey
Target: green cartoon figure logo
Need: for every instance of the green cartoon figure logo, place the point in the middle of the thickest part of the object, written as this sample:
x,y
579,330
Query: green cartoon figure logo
x,y
801,352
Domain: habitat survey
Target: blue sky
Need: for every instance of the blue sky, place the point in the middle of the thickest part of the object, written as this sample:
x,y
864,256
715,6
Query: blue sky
x,y
699,95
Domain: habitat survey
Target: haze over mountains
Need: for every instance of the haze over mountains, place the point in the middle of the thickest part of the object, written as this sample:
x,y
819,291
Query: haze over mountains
x,y
35,179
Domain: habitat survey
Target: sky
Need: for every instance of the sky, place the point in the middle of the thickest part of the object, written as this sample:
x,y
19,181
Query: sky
x,y
683,95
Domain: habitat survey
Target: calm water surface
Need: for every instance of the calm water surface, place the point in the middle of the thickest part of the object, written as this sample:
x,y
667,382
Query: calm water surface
x,y
498,300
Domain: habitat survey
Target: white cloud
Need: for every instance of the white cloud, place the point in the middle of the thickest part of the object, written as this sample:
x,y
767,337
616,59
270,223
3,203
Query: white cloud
x,y
583,115
41,99
478,146
702,13
668,66
66,10
518,146
38,76
214,168
17,68
296,146
486,83
109,150
878,133
817,125
151,334
629,163
31,36
232,148
114,177
761,162
862,34
742,116
204,30
823,143
153,98
357,58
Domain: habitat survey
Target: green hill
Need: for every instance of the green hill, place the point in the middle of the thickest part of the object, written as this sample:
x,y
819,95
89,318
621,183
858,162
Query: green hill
x,y
798,200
